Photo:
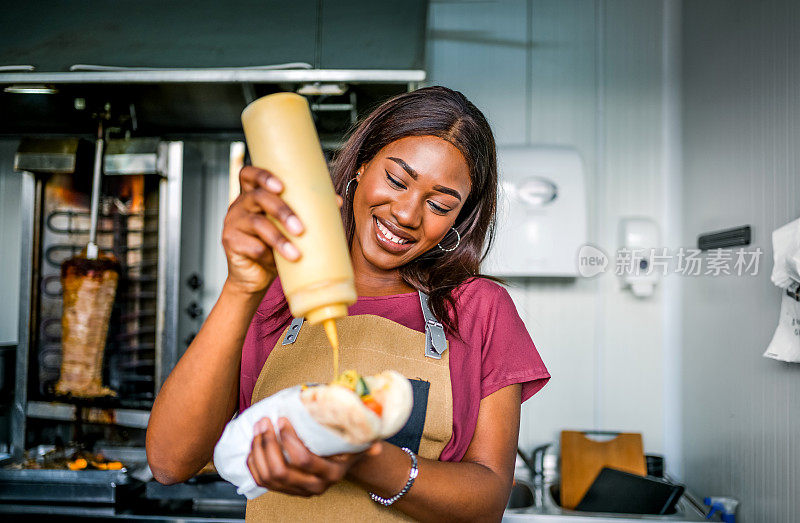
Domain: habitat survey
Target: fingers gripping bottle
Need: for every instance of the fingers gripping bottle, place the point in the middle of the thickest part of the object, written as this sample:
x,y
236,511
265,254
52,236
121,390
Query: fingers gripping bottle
x,y
282,139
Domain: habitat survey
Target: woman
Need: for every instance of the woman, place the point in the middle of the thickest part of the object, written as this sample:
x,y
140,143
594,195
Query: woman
x,y
418,179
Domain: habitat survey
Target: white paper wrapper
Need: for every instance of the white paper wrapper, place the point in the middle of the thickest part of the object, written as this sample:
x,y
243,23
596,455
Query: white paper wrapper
x,y
786,253
785,344
232,449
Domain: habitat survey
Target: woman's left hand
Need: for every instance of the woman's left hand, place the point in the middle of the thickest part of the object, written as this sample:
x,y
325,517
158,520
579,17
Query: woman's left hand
x,y
303,473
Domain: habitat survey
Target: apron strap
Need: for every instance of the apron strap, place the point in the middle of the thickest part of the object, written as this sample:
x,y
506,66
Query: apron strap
x,y
435,340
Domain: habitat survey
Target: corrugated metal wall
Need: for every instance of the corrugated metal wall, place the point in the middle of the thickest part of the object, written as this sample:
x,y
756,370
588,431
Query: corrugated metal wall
x,y
741,412
586,74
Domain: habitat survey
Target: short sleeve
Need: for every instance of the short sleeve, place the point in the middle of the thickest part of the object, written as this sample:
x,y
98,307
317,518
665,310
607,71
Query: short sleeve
x,y
508,354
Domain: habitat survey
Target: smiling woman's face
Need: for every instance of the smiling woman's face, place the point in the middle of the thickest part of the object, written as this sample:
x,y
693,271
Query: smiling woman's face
x,y
407,198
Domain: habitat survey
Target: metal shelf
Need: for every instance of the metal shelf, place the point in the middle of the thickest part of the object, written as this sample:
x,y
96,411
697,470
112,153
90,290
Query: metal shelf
x,y
65,412
218,75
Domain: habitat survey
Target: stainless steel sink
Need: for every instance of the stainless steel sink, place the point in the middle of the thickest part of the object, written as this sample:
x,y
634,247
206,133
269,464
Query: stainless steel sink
x,y
521,496
530,502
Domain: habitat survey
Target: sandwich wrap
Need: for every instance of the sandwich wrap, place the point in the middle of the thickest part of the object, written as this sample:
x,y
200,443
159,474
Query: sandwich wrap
x,y
345,416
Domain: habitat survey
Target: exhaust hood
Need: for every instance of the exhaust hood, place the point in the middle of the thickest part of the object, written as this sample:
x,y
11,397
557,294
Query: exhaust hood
x,y
181,69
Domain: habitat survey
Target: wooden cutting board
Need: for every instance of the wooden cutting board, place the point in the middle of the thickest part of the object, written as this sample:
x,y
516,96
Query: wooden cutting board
x,y
582,459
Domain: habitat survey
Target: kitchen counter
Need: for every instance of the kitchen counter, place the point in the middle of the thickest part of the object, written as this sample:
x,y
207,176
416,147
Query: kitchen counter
x,y
216,500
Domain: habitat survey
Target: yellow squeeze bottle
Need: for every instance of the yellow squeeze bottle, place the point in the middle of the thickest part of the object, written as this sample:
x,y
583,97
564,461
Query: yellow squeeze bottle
x,y
282,139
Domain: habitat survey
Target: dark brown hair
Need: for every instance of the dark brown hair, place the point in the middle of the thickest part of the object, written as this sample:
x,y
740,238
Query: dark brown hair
x,y
447,114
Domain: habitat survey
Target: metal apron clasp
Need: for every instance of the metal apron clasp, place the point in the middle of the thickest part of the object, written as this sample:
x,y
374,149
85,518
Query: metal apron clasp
x,y
435,339
294,330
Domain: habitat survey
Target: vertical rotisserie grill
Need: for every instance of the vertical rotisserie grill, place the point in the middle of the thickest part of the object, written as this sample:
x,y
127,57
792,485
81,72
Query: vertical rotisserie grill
x,y
128,232
64,397
138,224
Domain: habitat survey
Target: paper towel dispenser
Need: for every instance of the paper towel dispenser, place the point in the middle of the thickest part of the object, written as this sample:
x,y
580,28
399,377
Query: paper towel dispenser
x,y
541,215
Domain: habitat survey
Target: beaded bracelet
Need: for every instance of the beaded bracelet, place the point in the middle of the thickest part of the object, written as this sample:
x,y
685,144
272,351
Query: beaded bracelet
x,y
412,475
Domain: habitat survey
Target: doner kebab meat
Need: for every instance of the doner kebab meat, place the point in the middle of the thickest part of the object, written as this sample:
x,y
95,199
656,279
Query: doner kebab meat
x,y
89,287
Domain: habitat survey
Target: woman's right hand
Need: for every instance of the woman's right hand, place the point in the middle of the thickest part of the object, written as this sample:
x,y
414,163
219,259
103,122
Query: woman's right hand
x,y
248,236
279,461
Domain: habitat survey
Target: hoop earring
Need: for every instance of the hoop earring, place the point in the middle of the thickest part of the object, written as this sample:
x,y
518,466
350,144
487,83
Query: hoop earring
x,y
347,187
458,242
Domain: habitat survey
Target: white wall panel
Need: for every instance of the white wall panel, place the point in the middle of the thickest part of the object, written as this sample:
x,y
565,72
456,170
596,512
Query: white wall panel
x,y
631,382
479,48
589,77
741,414
563,70
561,314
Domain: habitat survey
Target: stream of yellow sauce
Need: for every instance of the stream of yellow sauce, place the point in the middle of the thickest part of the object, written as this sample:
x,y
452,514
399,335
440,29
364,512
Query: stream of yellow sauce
x,y
333,338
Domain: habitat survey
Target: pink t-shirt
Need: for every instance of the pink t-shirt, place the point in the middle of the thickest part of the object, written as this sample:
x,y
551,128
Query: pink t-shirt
x,y
495,349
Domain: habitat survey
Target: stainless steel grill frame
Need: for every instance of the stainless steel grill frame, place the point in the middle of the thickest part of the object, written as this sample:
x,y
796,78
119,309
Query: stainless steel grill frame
x,y
170,172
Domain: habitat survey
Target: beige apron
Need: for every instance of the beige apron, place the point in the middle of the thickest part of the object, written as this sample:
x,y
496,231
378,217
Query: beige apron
x,y
369,344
